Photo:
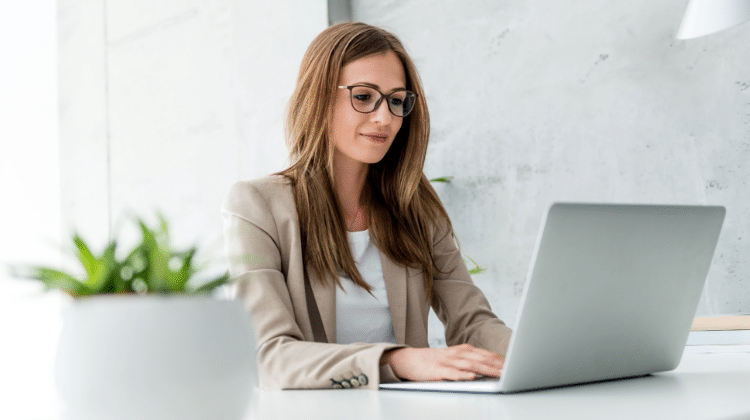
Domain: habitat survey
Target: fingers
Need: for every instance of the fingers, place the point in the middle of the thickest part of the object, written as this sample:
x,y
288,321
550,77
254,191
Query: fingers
x,y
481,354
456,363
452,374
474,360
476,368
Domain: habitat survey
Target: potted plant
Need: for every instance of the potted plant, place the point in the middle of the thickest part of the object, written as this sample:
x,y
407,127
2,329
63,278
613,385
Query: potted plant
x,y
141,341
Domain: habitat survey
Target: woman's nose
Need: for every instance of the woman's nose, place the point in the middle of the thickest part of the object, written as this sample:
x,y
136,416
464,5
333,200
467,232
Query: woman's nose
x,y
382,114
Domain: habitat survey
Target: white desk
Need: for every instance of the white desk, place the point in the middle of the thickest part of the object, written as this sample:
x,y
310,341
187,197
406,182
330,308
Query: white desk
x,y
704,386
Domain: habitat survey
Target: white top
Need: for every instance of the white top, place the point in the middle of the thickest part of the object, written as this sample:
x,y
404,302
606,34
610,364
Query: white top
x,y
360,316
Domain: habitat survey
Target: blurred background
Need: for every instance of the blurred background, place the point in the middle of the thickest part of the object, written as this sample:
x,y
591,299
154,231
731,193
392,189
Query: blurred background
x,y
115,106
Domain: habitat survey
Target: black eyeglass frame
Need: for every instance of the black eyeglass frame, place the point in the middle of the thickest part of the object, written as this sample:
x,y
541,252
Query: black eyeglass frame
x,y
382,96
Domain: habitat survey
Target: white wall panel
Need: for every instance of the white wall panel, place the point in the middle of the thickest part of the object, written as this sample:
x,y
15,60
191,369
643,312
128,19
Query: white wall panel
x,y
30,221
190,99
84,149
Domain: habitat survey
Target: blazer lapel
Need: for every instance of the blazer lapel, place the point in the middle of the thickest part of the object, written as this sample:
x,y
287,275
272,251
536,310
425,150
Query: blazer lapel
x,y
395,286
325,297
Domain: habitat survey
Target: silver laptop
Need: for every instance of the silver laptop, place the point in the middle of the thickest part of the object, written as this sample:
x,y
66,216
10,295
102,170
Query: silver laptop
x,y
611,293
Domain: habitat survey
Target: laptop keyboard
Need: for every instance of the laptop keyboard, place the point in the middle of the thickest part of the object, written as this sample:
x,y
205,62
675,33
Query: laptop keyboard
x,y
479,379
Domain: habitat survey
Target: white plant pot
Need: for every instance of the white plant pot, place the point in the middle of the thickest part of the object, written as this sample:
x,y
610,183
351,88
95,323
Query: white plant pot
x,y
126,357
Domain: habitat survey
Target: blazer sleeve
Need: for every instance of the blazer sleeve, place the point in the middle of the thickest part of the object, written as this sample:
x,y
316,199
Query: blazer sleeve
x,y
284,359
458,302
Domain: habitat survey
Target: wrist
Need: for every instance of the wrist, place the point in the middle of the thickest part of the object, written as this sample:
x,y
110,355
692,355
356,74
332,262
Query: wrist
x,y
388,355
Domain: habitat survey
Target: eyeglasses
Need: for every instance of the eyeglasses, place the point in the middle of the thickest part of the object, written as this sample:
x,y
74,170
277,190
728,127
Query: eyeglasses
x,y
366,99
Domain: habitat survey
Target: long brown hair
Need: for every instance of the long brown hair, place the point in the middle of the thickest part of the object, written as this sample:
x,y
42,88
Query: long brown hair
x,y
404,209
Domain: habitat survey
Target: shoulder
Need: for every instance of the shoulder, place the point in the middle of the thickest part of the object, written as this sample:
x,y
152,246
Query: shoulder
x,y
441,229
270,186
271,193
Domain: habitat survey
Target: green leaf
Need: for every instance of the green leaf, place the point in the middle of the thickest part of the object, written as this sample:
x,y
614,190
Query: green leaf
x,y
102,272
105,278
213,284
157,260
163,229
477,269
87,259
179,278
442,179
54,279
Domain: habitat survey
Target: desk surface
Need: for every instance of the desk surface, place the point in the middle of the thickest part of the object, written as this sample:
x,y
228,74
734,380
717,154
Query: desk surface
x,y
705,386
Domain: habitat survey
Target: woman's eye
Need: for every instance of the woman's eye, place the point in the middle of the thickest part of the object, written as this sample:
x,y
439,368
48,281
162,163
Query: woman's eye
x,y
362,97
397,101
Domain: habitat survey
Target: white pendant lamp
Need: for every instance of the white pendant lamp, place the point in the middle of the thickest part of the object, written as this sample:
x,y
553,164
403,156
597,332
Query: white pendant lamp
x,y
703,17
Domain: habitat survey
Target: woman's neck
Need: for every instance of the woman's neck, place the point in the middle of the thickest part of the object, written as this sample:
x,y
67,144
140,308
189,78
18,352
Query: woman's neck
x,y
349,177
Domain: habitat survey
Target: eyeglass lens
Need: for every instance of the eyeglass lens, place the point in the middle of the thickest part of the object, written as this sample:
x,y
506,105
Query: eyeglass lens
x,y
365,99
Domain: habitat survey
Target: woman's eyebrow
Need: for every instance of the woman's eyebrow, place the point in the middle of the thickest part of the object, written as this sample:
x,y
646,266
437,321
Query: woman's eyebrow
x,y
374,86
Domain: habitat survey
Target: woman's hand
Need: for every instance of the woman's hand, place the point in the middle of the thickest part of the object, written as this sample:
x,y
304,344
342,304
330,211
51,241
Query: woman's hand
x,y
456,363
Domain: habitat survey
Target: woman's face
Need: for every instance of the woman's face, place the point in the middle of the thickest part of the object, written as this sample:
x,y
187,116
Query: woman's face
x,y
360,137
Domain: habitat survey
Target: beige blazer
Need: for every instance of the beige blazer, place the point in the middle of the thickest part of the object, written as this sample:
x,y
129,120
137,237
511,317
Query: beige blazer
x,y
296,348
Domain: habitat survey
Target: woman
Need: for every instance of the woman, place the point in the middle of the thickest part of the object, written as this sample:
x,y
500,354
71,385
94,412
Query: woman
x,y
339,257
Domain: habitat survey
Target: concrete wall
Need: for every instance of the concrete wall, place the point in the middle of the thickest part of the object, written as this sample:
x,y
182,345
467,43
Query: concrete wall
x,y
164,105
539,101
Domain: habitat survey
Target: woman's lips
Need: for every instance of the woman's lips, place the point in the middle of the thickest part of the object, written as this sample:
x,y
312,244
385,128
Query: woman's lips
x,y
376,137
